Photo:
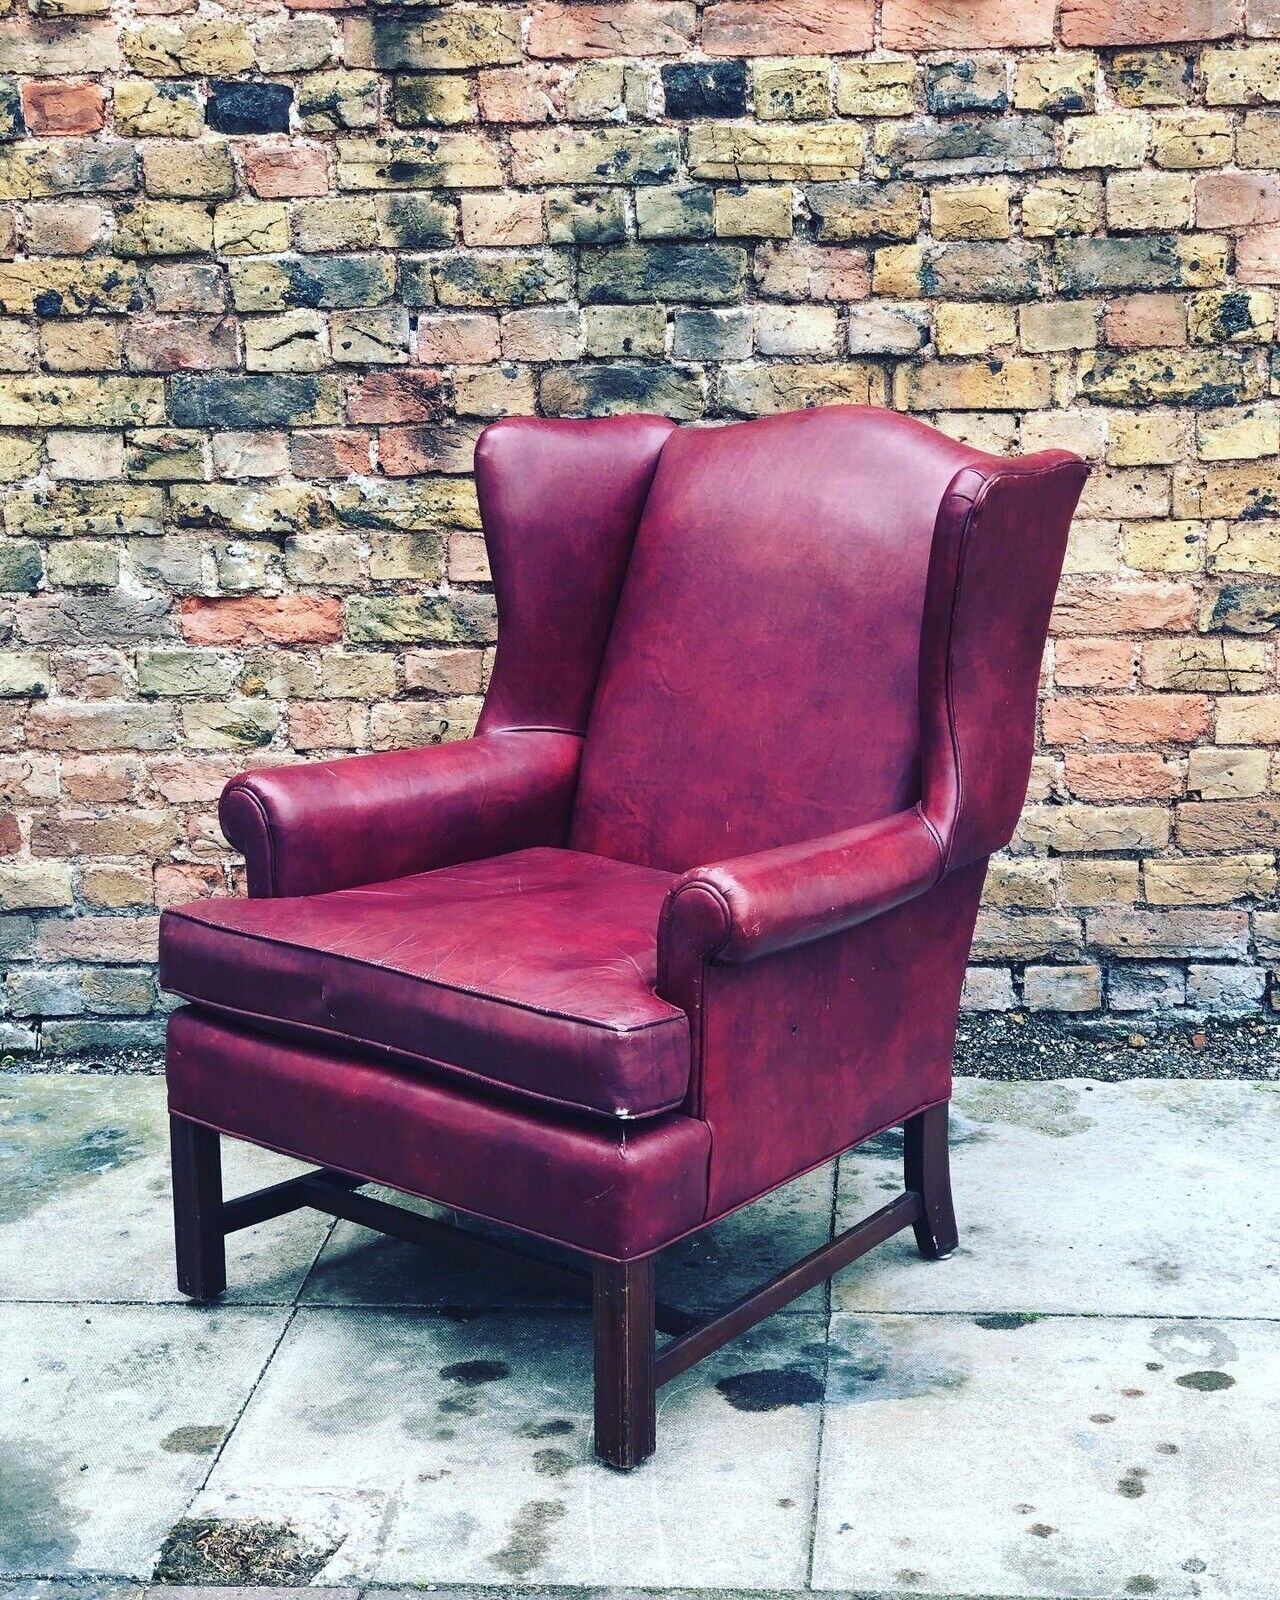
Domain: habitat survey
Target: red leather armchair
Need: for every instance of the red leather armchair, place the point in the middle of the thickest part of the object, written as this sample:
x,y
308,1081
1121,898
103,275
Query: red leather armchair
x,y
689,915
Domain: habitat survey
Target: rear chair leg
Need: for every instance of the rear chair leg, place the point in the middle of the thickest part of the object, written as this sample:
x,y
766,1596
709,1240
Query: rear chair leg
x,y
197,1210
625,1346
928,1174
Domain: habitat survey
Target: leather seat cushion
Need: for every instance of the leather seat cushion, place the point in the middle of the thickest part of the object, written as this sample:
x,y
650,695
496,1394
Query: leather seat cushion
x,y
531,972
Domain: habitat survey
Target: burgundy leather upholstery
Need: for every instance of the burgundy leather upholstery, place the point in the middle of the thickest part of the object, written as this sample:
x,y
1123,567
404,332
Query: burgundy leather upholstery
x,y
777,680
614,1189
532,971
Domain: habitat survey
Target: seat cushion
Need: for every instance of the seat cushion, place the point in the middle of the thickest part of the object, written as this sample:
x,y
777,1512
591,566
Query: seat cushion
x,y
531,972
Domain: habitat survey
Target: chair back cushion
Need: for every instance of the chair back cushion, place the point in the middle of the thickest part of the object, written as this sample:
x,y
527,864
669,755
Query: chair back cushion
x,y
759,685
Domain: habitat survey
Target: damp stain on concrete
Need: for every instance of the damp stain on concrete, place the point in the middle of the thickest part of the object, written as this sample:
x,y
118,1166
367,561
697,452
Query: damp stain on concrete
x,y
39,1160
241,1550
548,1428
1133,1484
869,1369
35,1523
1004,1321
552,1462
1049,1108
771,1389
529,1539
474,1373
1205,1382
199,1439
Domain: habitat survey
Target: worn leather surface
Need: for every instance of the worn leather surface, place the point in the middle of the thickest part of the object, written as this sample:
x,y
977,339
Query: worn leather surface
x,y
760,683
789,672
533,972
364,819
614,1189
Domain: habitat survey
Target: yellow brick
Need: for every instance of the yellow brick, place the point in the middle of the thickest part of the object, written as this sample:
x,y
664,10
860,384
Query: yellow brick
x,y
971,329
195,49
1016,384
251,228
1244,435
1188,139
807,150
163,228
792,91
755,211
1245,547
1242,77
1148,202
1146,438
970,211
1059,206
1063,81
1207,880
1231,316
1047,325
875,88
1111,139
1163,546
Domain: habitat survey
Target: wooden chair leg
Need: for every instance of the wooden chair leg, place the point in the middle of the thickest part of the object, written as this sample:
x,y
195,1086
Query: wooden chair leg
x,y
197,1209
625,1348
928,1174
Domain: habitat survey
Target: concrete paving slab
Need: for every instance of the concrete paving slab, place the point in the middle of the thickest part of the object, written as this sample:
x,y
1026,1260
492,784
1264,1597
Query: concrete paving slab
x,y
1137,1199
1079,1457
112,1417
85,1207
356,1267
421,1449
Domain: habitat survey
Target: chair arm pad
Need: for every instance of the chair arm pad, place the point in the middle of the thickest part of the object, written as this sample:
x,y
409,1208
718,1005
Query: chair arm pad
x,y
737,910
334,824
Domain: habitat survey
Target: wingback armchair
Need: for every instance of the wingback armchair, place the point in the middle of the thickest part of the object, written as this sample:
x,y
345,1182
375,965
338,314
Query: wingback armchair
x,y
689,915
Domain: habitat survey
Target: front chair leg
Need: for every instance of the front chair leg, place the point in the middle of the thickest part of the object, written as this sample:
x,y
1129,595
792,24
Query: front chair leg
x,y
197,1209
625,1347
928,1174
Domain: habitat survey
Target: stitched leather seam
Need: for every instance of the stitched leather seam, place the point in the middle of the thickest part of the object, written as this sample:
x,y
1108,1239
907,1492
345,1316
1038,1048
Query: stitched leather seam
x,y
431,983
532,727
265,817
400,1053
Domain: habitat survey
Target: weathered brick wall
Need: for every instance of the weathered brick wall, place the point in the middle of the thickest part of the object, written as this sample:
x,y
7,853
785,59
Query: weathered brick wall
x,y
267,269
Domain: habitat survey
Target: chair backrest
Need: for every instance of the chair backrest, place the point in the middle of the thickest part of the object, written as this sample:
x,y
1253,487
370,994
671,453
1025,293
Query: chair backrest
x,y
760,680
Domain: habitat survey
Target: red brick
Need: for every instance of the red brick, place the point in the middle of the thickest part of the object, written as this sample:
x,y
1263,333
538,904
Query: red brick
x,y
788,27
1087,606
1121,775
1145,321
180,344
1093,663
616,28
290,619
331,454
966,24
523,94
417,396
177,883
1148,21
1127,719
52,107
277,171
1258,256
1237,199
10,834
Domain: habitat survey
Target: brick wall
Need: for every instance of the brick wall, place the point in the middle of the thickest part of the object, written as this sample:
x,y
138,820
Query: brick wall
x,y
267,270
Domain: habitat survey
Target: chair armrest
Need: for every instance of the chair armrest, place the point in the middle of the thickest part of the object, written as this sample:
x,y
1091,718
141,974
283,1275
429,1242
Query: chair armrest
x,y
737,910
335,824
